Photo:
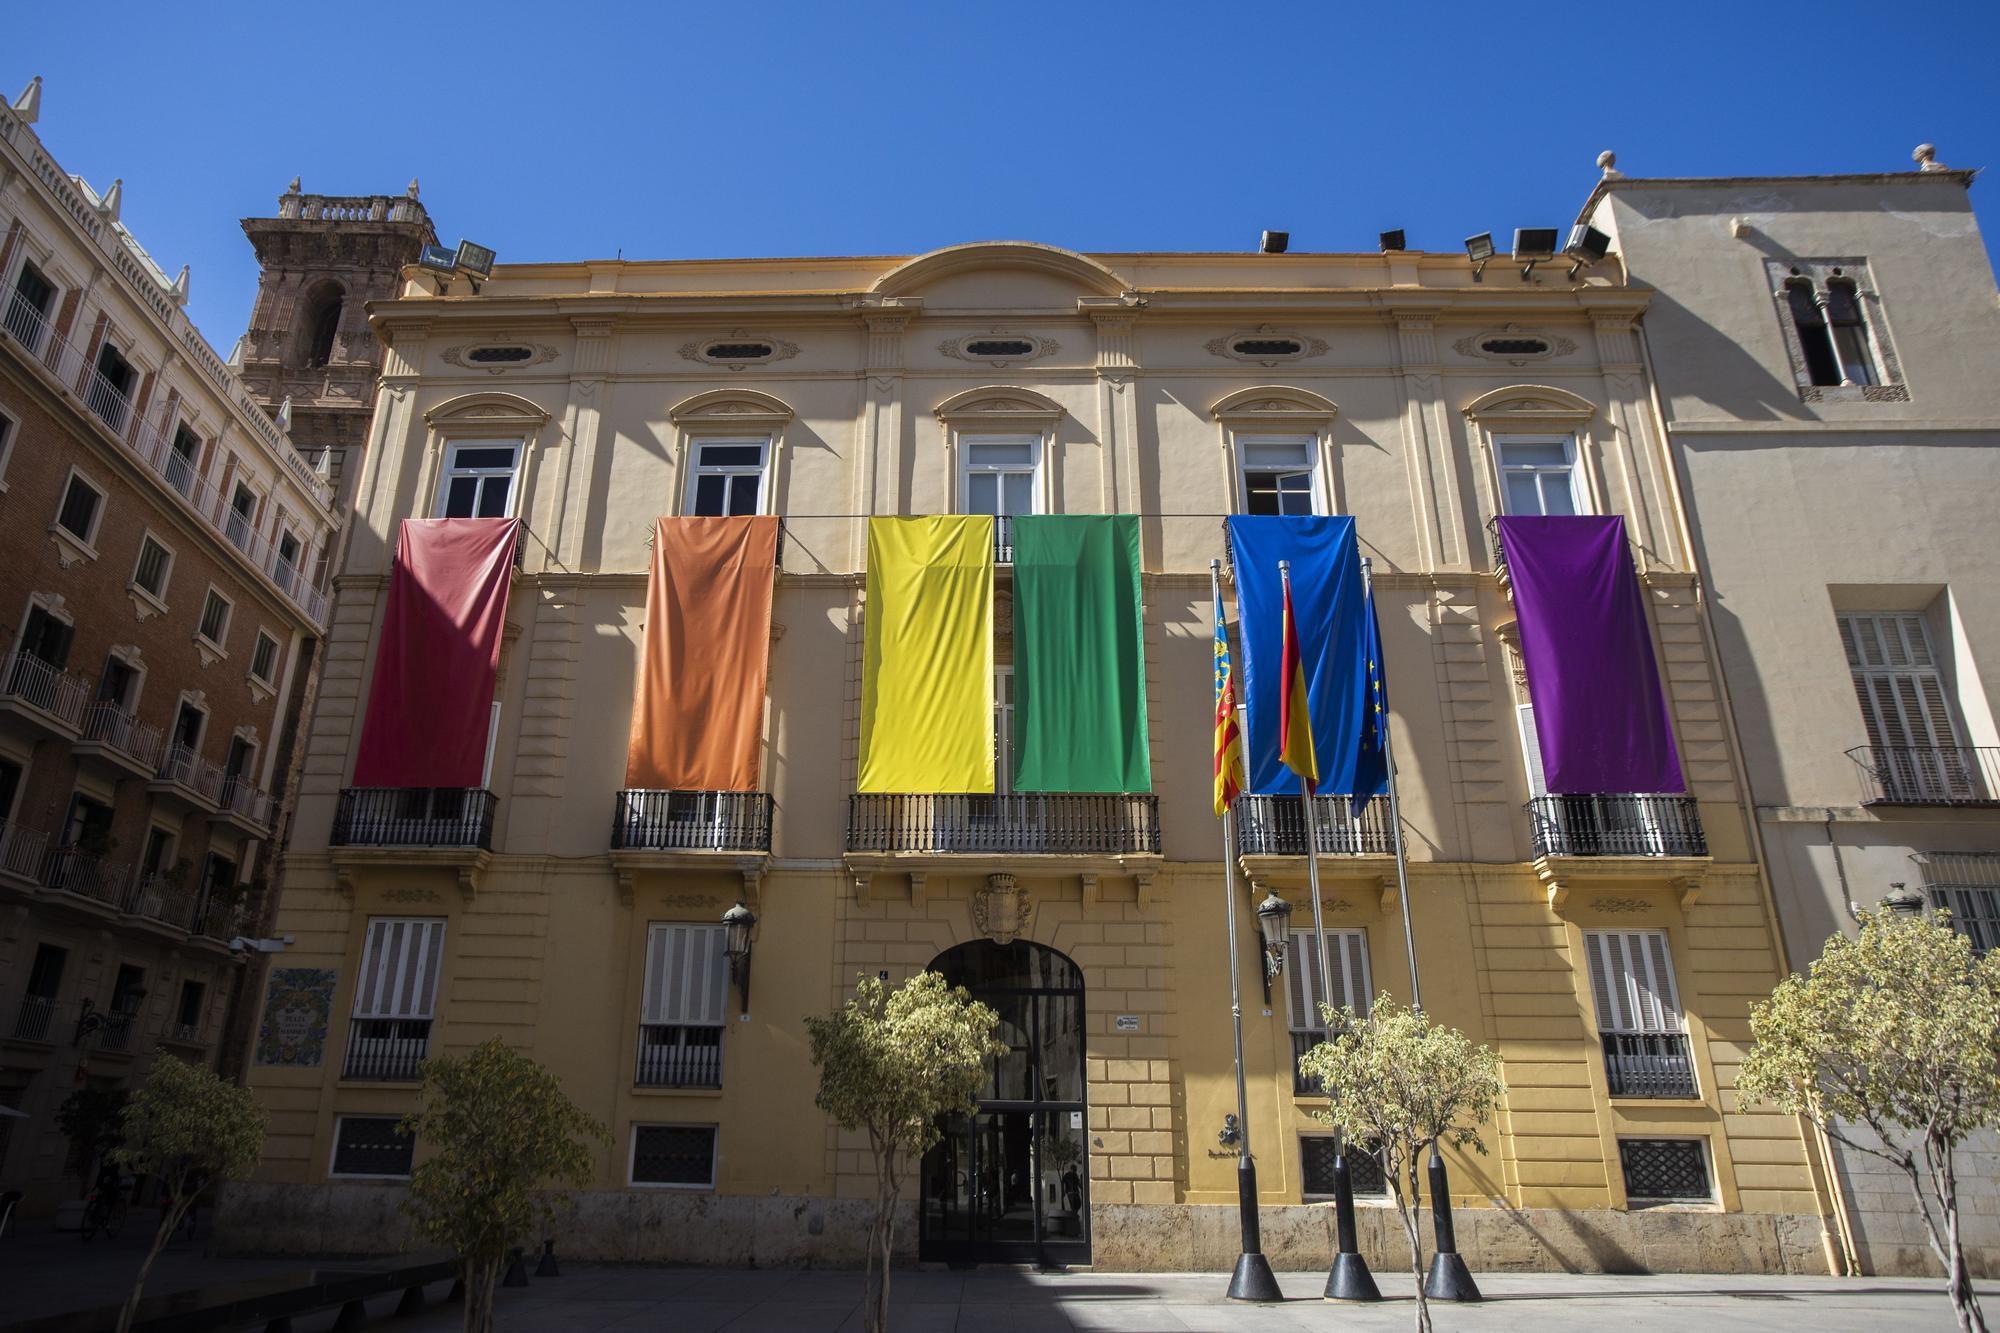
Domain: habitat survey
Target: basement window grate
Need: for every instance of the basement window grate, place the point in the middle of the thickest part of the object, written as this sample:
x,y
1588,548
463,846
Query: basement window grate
x,y
1665,1170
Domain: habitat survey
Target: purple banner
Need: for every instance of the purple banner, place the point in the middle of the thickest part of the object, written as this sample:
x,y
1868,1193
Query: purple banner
x,y
1599,710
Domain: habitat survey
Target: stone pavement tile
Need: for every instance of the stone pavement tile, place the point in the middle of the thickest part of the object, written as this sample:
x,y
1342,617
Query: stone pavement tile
x,y
1123,1317
911,1317
1022,1317
789,1317
677,1316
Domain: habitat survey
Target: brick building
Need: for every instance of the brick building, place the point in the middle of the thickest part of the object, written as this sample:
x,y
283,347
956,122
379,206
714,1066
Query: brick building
x,y
158,537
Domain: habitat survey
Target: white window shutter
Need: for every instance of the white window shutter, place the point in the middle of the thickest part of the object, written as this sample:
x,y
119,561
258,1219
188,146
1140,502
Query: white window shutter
x,y
399,968
1347,961
1360,985
1531,750
1302,981
687,976
1632,980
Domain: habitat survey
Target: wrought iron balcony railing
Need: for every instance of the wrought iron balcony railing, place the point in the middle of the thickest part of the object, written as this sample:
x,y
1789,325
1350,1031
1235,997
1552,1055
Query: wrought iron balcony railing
x,y
1276,826
61,694
184,768
387,1050
245,799
87,875
36,1019
1617,826
115,1032
673,1055
1928,774
1028,823
1301,1043
167,900
718,821
414,817
1648,1064
105,723
21,851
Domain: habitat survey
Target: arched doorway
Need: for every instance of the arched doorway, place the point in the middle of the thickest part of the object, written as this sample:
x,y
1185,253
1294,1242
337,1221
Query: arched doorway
x,y
1011,1182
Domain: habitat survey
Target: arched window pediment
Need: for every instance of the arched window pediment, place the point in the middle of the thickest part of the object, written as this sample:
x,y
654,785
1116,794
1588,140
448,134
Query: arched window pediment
x,y
1276,406
1530,405
1000,406
475,410
743,409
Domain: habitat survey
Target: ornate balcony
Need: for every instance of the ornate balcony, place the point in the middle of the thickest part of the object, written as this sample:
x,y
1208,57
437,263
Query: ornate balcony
x,y
21,852
165,899
694,821
387,1050
88,875
415,817
1276,826
1617,825
1021,823
45,695
186,777
116,737
1649,1064
37,1018
1928,774
678,1056
246,805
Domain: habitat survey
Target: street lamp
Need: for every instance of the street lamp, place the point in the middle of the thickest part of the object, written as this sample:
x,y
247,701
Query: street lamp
x,y
1902,900
1274,926
737,921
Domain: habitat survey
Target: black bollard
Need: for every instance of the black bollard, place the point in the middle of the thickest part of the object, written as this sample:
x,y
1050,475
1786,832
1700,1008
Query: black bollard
x,y
1350,1279
1253,1279
547,1267
517,1269
1449,1278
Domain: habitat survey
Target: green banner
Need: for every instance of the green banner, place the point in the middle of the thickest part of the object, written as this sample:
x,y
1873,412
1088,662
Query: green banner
x,y
1079,655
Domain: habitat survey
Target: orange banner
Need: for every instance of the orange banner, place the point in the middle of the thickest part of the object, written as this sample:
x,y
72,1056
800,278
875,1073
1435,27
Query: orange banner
x,y
698,710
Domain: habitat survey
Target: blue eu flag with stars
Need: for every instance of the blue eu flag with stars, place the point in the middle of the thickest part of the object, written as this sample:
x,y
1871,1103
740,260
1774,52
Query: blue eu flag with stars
x,y
1371,764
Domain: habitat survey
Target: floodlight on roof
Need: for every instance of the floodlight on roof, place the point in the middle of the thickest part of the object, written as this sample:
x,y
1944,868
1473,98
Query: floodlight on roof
x,y
1533,245
1393,240
475,259
1586,245
1479,249
1274,242
437,258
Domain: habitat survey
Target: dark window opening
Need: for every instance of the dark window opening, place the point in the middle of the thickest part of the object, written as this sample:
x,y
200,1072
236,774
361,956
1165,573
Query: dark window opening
x,y
110,390
80,504
45,974
10,787
739,351
323,325
188,725
1811,326
1514,346
999,347
370,1146
184,464
129,990
158,843
1267,347
116,686
1364,1168
1278,492
47,638
673,1155
238,761
1665,1170
189,1013
492,355
1850,331
28,307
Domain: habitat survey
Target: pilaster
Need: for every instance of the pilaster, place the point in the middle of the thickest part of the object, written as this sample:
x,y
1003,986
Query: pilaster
x,y
1426,440
881,426
560,510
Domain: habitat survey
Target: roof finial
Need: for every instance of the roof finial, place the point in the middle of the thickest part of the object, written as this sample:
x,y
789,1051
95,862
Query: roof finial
x,y
285,414
293,188
179,291
235,361
114,199
1608,160
1925,156
28,106
413,187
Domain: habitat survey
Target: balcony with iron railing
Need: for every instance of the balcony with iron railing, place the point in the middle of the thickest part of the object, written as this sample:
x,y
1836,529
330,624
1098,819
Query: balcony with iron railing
x,y
1303,1041
1018,823
695,821
149,442
677,1055
36,1019
53,698
245,804
1276,826
1928,774
184,1034
168,899
1617,825
446,817
114,1031
88,874
387,1050
22,852
117,736
1649,1064
188,778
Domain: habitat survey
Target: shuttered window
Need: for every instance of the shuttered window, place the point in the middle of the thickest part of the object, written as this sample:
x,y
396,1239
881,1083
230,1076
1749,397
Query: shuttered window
x,y
687,975
1632,980
1905,710
399,968
1967,884
1347,959
1531,750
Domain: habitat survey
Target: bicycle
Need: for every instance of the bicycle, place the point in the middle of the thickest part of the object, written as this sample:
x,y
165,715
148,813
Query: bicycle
x,y
103,1211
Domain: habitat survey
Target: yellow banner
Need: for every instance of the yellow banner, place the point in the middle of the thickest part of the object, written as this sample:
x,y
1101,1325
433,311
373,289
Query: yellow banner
x,y
927,677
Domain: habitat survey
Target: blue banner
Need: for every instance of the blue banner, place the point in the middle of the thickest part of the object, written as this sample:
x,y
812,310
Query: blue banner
x,y
1326,597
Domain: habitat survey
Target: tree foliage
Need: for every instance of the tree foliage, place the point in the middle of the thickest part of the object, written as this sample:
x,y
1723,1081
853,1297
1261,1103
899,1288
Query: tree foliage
x,y
891,1063
187,1128
1896,1030
93,1119
496,1131
1396,1078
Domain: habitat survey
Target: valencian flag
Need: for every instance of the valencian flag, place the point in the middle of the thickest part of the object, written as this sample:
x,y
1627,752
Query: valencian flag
x,y
1295,737
1228,735
1326,604
1371,762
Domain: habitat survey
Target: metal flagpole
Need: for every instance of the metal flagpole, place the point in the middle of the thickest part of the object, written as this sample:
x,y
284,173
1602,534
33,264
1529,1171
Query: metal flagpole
x,y
1312,852
1253,1279
1449,1279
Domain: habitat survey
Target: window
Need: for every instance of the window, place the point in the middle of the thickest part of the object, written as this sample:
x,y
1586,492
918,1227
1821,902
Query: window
x,y
215,609
1364,1169
45,637
82,507
1531,750
1347,961
1967,884
184,460
728,477
9,429
1665,1171
499,356
159,844
368,1145
88,826
155,564
479,480
242,516
189,722
1914,752
128,991
678,1155
1850,332
240,759
1537,476
119,683
1809,323
395,998
28,306
1277,474
287,568
683,1007
999,479
187,1017
109,390
1831,319
322,324
264,658
1646,1050
36,1021
10,787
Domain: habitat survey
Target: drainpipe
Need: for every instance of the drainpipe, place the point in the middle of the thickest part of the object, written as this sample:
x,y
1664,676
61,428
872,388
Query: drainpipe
x,y
1840,1222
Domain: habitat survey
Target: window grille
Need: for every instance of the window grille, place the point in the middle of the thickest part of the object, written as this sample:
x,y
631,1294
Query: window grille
x,y
683,1006
1665,1170
1364,1168
367,1145
1968,885
673,1155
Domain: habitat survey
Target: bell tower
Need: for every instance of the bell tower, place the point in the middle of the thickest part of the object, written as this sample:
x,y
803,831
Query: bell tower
x,y
323,258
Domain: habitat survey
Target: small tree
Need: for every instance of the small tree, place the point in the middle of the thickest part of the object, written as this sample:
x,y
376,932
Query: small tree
x,y
187,1127
1396,1079
92,1118
497,1131
1897,1030
890,1064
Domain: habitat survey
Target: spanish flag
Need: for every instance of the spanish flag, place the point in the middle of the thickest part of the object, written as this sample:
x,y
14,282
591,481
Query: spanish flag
x,y
1228,734
1295,738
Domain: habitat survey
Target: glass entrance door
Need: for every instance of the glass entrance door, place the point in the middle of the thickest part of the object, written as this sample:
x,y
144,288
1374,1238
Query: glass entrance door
x,y
1010,1182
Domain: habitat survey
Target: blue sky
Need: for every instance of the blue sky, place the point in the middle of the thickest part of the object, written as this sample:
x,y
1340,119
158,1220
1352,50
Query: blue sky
x,y
577,130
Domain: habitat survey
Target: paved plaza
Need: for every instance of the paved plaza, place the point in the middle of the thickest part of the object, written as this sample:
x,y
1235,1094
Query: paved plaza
x,y
43,1273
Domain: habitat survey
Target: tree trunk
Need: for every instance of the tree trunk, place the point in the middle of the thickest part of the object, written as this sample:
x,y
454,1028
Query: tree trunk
x,y
481,1276
1411,1212
168,1222
1944,1179
881,1242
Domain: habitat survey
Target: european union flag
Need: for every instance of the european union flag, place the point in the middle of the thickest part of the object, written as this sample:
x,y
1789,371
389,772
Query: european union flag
x,y
1371,760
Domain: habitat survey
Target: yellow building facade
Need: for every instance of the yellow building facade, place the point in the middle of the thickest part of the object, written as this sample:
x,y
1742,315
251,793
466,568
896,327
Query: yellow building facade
x,y
583,923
